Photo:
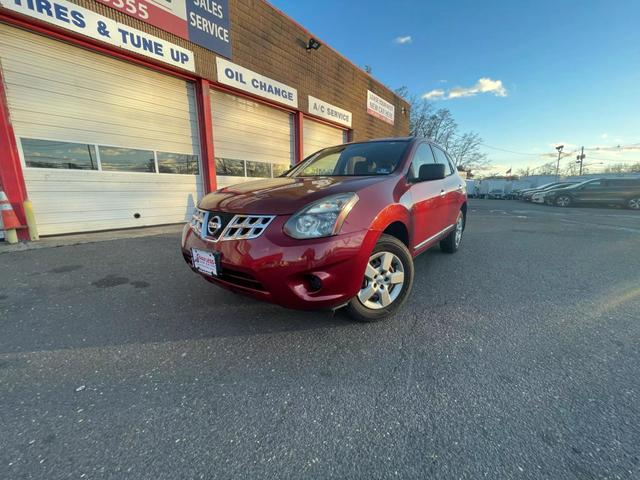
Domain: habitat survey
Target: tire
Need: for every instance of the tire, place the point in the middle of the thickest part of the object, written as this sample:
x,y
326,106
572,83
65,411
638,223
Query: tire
x,y
451,242
382,288
563,201
634,203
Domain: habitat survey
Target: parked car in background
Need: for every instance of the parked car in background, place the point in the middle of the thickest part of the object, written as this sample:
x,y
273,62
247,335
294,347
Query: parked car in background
x,y
600,191
521,193
539,195
339,229
527,196
496,194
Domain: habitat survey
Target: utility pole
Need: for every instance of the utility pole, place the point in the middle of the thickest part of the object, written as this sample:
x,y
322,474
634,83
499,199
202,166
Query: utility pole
x,y
581,158
559,148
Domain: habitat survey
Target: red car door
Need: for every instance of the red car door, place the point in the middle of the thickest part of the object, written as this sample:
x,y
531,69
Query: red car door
x,y
428,200
452,188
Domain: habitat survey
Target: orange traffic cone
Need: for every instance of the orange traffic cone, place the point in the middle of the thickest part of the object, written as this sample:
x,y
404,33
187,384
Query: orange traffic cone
x,y
9,219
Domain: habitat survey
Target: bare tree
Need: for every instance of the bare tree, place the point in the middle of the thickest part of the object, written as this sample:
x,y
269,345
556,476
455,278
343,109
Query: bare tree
x,y
440,126
465,151
548,168
573,168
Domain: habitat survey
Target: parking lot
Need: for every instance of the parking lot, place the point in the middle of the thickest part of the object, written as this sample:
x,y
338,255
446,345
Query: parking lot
x,y
518,357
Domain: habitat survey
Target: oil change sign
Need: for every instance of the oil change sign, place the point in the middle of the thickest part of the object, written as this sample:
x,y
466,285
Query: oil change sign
x,y
72,17
380,108
205,22
244,79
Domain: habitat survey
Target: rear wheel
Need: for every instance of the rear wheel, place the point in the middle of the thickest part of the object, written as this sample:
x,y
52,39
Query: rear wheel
x,y
452,241
387,281
634,203
563,201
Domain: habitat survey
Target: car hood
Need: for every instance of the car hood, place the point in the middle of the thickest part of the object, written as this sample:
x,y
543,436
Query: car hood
x,y
283,195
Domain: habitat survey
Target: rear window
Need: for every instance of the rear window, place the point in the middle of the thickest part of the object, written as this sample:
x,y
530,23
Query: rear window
x,y
356,159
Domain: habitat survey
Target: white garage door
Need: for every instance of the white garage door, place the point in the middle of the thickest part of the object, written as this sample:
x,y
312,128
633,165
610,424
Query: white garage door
x,y
250,140
105,144
316,136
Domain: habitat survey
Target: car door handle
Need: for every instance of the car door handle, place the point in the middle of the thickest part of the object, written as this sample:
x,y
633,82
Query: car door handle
x,y
442,193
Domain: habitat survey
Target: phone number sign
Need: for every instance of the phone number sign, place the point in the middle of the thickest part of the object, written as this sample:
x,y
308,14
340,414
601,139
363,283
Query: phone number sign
x,y
204,22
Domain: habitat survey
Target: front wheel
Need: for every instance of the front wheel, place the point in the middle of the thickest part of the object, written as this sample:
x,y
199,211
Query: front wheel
x,y
563,201
387,281
451,243
634,203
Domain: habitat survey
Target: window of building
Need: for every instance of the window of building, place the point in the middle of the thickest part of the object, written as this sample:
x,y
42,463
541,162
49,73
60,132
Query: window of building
x,y
126,159
258,169
278,169
422,156
177,163
229,166
236,168
54,154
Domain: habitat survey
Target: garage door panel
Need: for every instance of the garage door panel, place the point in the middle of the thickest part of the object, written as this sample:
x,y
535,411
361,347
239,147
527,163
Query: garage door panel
x,y
256,151
48,132
60,93
246,130
85,89
77,59
317,135
54,94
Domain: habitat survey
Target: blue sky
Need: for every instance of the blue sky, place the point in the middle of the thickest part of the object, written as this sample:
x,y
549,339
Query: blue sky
x,y
556,71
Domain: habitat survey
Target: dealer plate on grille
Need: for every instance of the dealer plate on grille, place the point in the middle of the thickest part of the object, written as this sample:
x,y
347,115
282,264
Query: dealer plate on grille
x,y
206,262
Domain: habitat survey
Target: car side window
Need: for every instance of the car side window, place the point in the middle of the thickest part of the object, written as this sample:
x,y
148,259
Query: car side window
x,y
441,157
422,156
592,185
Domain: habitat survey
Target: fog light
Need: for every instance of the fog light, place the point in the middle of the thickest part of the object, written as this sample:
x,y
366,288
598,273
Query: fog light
x,y
315,283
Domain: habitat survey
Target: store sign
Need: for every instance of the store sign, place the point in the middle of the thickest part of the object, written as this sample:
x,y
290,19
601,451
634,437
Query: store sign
x,y
380,108
244,79
204,22
72,17
329,112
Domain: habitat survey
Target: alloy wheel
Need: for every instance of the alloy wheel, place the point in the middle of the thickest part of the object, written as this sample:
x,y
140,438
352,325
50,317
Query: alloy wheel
x,y
634,204
459,229
383,281
563,201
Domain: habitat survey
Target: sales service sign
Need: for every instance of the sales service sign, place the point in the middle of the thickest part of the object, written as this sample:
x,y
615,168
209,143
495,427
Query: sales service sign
x,y
380,108
70,16
244,79
329,112
204,22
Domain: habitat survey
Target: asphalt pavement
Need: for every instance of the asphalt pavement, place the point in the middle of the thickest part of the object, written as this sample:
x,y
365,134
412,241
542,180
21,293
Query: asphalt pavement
x,y
518,357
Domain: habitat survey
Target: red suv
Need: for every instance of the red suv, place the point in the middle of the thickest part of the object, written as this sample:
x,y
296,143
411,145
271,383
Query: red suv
x,y
341,228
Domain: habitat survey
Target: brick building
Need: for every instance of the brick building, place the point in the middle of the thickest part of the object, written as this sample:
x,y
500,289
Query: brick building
x,y
120,113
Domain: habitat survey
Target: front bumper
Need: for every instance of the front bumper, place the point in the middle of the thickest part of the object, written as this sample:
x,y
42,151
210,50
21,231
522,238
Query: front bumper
x,y
279,269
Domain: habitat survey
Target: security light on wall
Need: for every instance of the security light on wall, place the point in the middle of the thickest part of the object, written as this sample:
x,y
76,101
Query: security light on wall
x,y
313,44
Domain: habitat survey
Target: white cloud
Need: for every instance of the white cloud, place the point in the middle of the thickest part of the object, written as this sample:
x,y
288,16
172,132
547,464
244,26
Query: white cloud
x,y
483,85
402,40
604,136
434,94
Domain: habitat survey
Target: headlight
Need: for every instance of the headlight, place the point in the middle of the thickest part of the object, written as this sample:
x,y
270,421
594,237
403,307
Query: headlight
x,y
322,218
197,220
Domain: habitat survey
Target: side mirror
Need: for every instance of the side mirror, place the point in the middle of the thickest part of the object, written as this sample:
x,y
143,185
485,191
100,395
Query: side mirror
x,y
431,171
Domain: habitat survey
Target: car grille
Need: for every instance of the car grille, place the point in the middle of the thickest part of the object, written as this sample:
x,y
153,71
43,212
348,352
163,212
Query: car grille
x,y
214,226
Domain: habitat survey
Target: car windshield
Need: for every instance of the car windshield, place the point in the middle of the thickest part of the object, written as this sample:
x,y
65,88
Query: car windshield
x,y
356,159
582,183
